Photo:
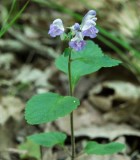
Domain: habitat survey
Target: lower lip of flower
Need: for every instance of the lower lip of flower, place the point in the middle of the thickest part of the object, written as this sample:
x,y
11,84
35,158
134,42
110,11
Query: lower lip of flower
x,y
77,45
55,31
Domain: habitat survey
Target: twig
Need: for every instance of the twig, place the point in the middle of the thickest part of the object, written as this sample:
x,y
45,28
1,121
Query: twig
x,y
14,150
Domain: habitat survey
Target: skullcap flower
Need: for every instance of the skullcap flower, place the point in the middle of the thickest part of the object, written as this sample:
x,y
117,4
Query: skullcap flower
x,y
56,28
89,29
77,43
77,32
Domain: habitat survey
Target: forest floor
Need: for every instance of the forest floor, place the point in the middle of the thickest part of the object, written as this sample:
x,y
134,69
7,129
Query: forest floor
x,y
110,98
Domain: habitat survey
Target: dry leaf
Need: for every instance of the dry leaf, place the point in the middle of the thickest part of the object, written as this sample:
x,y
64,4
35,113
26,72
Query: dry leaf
x,y
109,131
6,60
106,94
84,116
49,155
112,157
119,100
10,107
27,74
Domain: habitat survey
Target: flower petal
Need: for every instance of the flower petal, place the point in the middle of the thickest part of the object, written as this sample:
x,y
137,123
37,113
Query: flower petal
x,y
77,45
91,15
56,28
90,32
89,29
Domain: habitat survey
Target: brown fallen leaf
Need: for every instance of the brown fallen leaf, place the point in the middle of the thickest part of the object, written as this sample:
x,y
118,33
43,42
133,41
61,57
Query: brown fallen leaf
x,y
109,131
84,116
28,74
48,154
119,100
10,107
114,91
6,60
112,157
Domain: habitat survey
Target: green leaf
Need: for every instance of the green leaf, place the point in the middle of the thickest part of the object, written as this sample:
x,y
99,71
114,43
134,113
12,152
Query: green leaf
x,y
49,106
48,139
102,149
33,150
87,61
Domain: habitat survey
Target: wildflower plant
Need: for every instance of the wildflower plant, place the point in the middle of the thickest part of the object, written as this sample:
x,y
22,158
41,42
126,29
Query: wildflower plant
x,y
82,57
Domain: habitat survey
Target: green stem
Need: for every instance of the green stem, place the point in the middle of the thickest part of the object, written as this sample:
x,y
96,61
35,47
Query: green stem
x,y
71,115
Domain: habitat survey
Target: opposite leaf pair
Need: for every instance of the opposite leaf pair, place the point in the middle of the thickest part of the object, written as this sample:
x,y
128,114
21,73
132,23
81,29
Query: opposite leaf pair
x,y
57,138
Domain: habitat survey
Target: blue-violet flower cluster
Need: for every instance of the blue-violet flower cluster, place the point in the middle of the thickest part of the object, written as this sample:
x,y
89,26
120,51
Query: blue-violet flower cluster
x,y
78,31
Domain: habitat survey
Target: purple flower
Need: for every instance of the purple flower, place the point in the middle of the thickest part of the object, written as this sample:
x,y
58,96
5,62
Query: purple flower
x,y
91,32
89,29
86,29
77,31
77,43
91,15
56,28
